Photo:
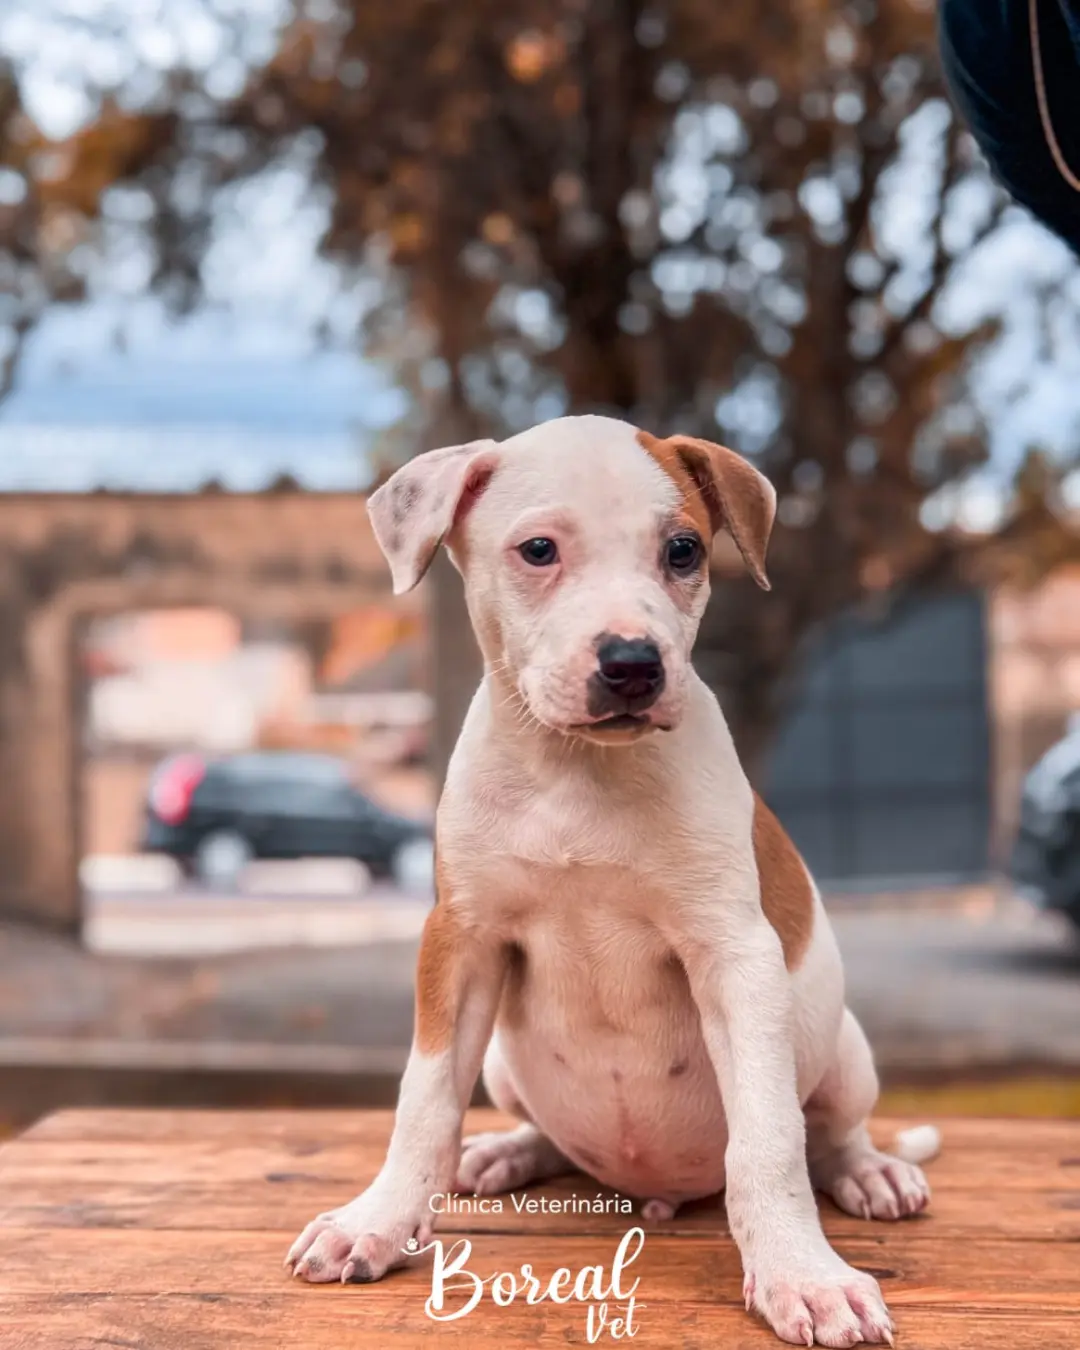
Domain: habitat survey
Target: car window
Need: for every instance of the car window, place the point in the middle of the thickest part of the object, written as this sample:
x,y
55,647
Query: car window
x,y
286,767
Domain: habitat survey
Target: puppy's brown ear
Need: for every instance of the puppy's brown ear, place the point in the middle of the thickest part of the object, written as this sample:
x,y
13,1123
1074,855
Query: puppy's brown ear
x,y
417,507
739,499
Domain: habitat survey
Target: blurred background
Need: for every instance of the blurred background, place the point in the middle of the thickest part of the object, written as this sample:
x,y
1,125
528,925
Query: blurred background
x,y
255,253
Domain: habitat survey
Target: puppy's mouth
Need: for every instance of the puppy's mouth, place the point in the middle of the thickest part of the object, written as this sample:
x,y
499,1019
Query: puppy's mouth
x,y
620,722
618,729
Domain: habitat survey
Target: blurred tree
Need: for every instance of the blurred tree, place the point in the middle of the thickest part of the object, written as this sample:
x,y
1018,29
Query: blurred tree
x,y
21,281
50,198
740,221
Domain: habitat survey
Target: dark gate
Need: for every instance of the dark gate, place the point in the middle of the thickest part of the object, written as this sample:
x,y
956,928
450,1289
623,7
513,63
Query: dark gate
x,y
882,772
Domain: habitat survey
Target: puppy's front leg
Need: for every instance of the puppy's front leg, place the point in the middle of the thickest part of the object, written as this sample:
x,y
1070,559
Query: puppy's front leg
x,y
792,1276
458,984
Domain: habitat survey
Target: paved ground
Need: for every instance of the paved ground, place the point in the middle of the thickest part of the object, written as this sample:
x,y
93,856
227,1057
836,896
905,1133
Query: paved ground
x,y
142,906
946,986
961,989
195,924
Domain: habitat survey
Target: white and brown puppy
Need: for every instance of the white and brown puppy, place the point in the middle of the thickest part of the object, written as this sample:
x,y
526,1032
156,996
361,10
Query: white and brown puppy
x,y
624,935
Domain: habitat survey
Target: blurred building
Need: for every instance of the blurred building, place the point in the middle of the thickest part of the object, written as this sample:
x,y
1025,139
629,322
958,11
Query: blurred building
x,y
884,771
188,680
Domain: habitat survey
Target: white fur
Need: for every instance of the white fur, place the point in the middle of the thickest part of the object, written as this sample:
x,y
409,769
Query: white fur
x,y
649,1032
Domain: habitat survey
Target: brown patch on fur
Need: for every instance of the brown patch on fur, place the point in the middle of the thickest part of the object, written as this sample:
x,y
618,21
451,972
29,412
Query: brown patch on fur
x,y
787,896
436,972
666,454
722,490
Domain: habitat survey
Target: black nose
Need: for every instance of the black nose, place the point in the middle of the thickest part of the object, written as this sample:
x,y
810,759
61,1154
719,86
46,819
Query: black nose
x,y
630,669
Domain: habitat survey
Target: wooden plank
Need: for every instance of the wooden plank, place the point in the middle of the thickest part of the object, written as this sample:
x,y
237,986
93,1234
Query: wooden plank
x,y
318,1322
324,1126
171,1197
352,1127
671,1269
344,1162
166,1231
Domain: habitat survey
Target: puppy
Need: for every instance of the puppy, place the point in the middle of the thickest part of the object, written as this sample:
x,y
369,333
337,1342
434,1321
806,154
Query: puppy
x,y
625,938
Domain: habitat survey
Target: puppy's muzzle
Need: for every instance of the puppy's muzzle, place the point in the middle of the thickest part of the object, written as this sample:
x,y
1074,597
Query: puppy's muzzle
x,y
629,676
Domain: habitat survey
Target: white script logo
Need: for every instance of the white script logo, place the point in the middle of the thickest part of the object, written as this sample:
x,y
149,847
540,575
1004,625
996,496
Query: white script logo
x,y
612,1304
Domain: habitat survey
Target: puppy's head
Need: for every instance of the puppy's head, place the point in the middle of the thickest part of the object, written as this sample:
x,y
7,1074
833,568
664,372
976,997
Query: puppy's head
x,y
584,545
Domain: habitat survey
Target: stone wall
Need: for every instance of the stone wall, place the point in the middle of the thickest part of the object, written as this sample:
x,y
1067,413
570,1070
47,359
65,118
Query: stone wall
x,y
64,558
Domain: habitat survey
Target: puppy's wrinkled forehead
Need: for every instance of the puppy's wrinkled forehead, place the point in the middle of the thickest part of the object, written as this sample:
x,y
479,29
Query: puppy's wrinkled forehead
x,y
595,467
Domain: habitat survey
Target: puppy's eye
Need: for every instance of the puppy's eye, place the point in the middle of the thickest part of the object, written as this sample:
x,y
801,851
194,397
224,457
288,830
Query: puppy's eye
x,y
683,553
539,552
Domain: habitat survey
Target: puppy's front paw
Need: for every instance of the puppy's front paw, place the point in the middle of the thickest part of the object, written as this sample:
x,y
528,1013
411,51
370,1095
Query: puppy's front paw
x,y
359,1242
839,1307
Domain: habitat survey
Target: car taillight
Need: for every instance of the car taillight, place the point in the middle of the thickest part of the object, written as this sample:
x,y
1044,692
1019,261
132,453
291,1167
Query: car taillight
x,y
173,789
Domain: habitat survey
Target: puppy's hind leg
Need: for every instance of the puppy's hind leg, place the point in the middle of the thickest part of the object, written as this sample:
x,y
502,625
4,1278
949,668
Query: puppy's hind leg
x,y
843,1161
503,1160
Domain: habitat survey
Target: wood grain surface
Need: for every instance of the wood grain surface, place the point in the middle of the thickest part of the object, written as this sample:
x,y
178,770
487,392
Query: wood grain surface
x,y
166,1231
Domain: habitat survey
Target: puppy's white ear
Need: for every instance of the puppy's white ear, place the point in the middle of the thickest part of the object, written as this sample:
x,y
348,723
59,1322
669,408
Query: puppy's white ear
x,y
418,506
739,498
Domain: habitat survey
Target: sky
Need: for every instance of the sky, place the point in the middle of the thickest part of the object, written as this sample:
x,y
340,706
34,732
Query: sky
x,y
217,397
64,46
240,396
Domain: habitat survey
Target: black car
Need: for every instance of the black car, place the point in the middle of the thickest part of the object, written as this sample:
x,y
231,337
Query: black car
x,y
216,815
1046,855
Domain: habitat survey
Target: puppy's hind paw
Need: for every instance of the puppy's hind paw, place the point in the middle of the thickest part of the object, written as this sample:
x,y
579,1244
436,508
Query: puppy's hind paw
x,y
504,1160
869,1184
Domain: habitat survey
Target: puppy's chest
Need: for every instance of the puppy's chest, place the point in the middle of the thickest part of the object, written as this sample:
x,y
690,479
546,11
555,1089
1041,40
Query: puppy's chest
x,y
515,846
569,825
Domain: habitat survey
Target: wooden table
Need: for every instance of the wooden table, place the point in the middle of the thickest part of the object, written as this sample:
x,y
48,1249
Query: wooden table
x,y
166,1231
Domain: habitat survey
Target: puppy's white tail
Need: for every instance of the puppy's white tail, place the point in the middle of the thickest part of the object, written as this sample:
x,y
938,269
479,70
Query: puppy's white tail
x,y
918,1144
